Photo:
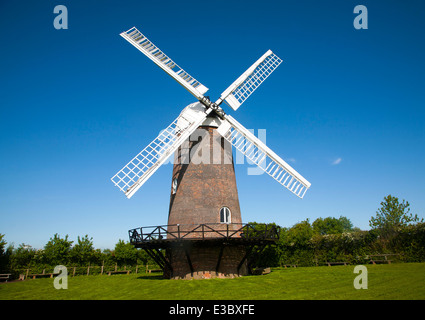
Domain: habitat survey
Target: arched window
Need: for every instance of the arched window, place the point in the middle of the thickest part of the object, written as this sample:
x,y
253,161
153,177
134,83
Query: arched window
x,y
174,186
225,215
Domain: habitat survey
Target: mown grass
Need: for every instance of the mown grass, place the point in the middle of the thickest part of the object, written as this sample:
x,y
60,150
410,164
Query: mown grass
x,y
395,281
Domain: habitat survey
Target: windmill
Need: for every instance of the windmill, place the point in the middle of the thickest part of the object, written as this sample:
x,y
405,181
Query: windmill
x,y
204,217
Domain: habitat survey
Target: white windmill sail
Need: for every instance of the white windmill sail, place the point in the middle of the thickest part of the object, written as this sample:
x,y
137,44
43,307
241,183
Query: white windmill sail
x,y
133,175
256,151
249,81
137,39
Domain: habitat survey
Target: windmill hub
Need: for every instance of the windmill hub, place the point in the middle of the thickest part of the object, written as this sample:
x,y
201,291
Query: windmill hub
x,y
214,106
196,109
205,235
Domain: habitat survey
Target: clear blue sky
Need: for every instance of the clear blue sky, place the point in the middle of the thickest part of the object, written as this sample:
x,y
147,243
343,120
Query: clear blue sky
x,y
346,107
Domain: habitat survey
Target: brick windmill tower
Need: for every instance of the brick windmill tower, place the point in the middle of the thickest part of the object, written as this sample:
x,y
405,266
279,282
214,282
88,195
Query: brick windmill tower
x,y
205,236
203,188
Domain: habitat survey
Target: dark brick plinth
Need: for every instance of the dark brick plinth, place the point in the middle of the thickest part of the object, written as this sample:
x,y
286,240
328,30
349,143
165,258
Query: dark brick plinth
x,y
203,260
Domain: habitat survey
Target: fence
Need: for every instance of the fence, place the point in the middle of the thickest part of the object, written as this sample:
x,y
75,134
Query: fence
x,y
89,270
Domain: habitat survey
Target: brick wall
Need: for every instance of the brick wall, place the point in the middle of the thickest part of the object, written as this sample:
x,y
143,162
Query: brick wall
x,y
204,259
203,189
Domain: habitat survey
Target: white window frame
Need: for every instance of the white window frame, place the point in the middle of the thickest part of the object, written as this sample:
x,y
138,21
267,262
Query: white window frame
x,y
226,216
174,186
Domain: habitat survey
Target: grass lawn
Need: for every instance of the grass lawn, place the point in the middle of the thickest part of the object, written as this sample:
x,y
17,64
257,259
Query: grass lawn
x,y
395,281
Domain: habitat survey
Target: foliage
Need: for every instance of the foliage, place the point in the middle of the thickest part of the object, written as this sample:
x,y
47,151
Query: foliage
x,y
83,251
4,254
125,253
300,234
57,250
263,256
410,240
2,244
307,244
23,256
294,244
332,225
353,247
393,215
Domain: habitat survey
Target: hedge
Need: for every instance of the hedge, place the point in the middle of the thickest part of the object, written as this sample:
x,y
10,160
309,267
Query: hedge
x,y
351,247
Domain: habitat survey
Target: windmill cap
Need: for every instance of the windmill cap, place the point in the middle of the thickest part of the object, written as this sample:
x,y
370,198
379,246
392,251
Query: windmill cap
x,y
193,110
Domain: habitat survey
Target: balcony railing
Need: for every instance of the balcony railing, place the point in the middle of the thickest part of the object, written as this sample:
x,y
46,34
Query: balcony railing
x,y
206,231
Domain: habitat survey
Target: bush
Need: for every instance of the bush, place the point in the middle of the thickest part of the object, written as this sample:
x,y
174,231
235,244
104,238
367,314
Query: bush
x,y
353,247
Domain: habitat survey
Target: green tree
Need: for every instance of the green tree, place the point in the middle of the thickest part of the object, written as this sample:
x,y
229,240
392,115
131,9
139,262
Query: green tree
x,y
4,256
2,243
125,253
332,225
22,256
392,215
294,244
83,252
57,250
108,257
300,234
347,225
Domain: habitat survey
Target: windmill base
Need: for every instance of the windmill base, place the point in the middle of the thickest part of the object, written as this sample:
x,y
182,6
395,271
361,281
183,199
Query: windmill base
x,y
194,253
206,260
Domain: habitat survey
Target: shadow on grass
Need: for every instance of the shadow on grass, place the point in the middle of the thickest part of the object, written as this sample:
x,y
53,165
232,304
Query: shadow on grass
x,y
157,276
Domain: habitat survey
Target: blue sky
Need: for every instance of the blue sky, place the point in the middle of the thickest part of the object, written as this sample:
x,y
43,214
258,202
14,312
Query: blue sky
x,y
345,108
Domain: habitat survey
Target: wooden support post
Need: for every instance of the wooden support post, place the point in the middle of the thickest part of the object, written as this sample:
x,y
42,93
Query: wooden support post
x,y
219,259
189,261
247,252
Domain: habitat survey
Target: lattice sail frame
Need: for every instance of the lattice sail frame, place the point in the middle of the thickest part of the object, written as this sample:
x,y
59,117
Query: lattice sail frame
x,y
256,151
134,174
143,44
250,80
